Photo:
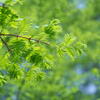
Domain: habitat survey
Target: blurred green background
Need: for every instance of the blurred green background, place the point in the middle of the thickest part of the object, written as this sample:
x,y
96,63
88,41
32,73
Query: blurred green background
x,y
68,80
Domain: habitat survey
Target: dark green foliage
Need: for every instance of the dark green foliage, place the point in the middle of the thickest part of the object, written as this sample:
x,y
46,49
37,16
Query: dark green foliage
x,y
7,16
52,28
36,58
14,71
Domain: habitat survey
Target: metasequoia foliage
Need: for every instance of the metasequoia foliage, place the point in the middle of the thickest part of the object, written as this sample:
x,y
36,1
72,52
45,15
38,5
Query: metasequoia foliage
x,y
26,52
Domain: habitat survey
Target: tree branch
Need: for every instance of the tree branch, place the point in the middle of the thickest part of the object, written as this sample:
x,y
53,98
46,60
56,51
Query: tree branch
x,y
4,42
28,38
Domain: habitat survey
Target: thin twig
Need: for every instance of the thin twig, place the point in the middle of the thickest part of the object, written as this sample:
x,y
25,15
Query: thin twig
x,y
28,38
5,43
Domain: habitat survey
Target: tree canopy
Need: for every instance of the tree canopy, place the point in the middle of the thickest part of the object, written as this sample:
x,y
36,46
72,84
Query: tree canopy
x,y
49,49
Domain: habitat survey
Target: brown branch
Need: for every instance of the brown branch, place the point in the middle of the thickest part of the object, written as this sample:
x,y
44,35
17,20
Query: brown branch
x,y
4,42
28,38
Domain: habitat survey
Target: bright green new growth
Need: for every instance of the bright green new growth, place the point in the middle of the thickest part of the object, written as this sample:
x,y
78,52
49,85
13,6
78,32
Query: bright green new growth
x,y
71,46
26,53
